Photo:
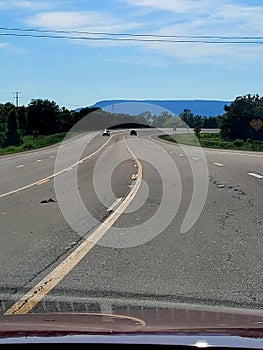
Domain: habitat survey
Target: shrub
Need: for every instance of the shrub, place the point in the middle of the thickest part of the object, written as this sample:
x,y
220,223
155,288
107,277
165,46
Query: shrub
x,y
238,142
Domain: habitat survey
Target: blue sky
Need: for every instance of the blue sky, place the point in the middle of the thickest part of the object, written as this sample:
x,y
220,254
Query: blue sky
x,y
76,73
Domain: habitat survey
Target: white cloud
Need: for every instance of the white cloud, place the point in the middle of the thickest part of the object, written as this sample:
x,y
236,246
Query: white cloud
x,y
216,54
203,18
246,20
4,45
25,5
76,20
178,6
169,17
7,47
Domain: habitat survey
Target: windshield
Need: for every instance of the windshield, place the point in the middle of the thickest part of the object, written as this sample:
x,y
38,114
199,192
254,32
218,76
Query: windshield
x,y
131,139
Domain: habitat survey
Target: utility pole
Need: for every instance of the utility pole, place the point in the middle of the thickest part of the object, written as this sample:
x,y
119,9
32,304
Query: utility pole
x,y
17,97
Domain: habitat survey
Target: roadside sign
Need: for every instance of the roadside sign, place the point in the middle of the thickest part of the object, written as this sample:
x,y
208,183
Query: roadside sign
x,y
256,124
35,132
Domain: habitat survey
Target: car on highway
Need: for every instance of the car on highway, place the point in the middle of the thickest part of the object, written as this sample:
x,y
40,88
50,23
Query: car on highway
x,y
131,173
106,132
133,132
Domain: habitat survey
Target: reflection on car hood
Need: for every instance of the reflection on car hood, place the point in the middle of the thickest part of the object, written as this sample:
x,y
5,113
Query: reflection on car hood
x,y
181,321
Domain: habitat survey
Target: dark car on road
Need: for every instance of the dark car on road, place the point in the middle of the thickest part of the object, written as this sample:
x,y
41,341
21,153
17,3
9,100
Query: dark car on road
x,y
133,132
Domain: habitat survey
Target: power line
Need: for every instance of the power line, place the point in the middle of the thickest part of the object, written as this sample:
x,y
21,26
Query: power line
x,y
231,37
132,39
107,36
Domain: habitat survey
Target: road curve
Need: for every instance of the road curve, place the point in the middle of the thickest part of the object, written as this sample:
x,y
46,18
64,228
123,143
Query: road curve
x,y
192,232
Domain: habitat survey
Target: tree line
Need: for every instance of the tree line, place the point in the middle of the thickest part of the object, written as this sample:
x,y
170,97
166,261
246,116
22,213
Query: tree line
x,y
49,118
42,115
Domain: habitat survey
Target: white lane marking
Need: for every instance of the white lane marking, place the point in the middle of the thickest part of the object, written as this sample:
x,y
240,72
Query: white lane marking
x,y
115,204
59,172
258,176
218,164
237,154
151,146
20,166
42,182
43,149
56,174
41,289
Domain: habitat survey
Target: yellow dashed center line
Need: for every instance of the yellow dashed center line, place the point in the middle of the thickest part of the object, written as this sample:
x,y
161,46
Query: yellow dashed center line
x,y
37,293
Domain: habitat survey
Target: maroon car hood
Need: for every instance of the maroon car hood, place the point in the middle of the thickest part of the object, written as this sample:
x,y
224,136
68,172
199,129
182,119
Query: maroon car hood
x,y
139,321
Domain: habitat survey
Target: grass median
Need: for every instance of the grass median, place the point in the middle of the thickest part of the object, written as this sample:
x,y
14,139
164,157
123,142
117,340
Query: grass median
x,y
213,140
29,143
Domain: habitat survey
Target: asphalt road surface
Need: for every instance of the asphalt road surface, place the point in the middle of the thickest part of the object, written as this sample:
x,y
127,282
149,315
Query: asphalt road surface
x,y
121,222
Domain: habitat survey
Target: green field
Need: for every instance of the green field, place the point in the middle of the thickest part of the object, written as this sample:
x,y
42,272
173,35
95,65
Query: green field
x,y
29,143
213,140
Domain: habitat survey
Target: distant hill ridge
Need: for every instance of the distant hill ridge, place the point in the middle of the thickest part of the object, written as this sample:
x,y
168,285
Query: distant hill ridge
x,y
207,108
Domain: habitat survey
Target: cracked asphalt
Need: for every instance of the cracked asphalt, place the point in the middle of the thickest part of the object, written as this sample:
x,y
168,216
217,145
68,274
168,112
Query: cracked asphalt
x,y
217,261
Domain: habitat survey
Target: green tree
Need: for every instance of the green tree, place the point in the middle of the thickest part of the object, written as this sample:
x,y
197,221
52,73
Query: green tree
x,y
187,117
198,121
3,125
159,121
210,122
145,118
89,119
65,119
44,116
5,109
12,135
22,117
235,122
170,122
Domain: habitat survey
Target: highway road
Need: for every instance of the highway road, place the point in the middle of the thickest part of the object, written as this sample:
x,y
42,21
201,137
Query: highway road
x,y
102,223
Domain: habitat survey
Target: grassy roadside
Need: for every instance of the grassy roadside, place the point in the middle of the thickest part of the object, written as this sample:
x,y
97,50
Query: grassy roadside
x,y
213,140
30,144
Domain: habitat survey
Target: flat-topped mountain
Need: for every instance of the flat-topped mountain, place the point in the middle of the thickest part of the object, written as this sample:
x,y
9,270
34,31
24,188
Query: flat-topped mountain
x,y
207,108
